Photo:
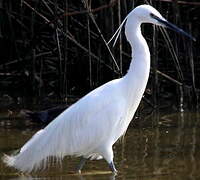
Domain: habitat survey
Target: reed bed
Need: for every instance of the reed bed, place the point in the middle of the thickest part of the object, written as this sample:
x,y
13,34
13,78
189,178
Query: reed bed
x,y
58,50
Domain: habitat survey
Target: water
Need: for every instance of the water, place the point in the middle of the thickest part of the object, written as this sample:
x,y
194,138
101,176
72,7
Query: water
x,y
161,147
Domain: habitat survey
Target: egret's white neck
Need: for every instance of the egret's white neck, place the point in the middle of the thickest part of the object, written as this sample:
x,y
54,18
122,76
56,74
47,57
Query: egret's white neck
x,y
140,64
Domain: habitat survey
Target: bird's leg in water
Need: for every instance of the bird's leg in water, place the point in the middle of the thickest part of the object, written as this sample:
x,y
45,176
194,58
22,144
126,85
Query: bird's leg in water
x,y
112,167
80,165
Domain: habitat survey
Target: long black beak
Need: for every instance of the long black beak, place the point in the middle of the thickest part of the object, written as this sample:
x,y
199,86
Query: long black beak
x,y
172,27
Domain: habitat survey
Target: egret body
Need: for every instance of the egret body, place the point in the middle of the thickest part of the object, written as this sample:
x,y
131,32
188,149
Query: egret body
x,y
91,126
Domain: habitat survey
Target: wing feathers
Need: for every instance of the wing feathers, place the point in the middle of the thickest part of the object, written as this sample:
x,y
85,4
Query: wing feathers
x,y
77,131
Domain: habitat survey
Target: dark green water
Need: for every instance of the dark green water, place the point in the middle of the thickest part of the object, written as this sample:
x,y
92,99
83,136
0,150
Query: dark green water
x,y
163,147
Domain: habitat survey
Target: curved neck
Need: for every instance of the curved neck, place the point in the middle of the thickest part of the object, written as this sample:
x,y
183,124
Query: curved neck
x,y
137,76
140,64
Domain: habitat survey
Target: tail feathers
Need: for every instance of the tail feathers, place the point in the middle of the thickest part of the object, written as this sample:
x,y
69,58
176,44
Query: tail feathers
x,y
26,166
33,155
14,161
11,161
8,160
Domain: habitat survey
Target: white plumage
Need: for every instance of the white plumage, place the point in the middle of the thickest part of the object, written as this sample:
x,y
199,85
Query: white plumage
x,y
91,126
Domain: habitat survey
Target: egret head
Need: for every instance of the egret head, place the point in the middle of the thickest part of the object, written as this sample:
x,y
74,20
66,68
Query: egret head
x,y
144,14
148,14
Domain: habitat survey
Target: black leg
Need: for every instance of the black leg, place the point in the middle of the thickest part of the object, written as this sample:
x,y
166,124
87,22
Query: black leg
x,y
81,164
112,167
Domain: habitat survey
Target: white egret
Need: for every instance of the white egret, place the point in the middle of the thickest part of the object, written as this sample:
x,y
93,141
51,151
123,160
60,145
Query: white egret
x,y
91,126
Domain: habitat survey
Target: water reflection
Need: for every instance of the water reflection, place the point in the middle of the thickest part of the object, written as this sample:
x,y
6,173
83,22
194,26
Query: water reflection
x,y
163,147
77,177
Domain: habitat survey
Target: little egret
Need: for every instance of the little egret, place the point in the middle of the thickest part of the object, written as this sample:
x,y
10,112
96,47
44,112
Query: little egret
x,y
91,126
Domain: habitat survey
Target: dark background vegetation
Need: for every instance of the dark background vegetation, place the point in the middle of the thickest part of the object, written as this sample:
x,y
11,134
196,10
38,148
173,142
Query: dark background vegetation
x,y
55,51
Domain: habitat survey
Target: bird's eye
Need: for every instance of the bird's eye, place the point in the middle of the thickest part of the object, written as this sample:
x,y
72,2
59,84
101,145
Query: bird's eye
x,y
153,15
